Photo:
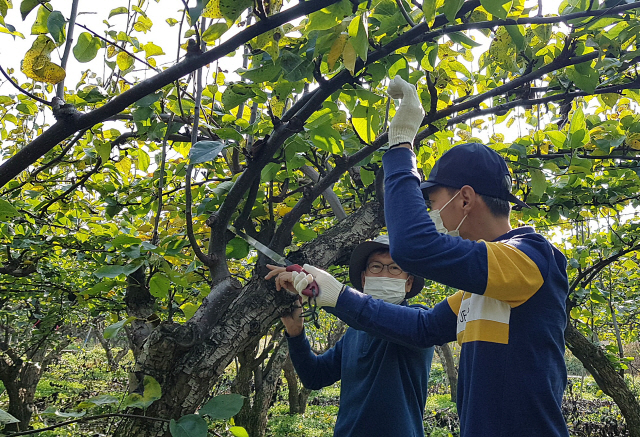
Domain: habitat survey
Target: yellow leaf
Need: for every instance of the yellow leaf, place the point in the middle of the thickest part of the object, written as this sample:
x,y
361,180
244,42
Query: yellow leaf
x,y
349,57
283,209
277,106
111,52
37,63
336,49
124,61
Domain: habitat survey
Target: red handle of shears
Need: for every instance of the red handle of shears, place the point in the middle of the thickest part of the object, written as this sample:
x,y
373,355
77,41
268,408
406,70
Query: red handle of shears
x,y
312,289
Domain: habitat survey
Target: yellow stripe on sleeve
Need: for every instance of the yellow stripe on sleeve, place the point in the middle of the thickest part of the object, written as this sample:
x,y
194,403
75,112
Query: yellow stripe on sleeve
x,y
513,277
485,330
454,301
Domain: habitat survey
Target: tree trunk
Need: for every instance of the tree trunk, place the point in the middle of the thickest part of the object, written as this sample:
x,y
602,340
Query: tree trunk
x,y
258,383
21,391
298,394
187,360
606,376
449,365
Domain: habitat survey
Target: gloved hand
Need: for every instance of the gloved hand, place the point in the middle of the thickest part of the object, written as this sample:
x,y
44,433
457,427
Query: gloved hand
x,y
330,287
408,118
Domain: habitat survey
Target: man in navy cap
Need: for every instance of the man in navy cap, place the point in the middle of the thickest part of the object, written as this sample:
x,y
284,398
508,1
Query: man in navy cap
x,y
384,385
509,315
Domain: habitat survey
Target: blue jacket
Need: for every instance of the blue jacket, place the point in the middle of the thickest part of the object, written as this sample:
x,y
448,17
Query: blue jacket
x,y
383,385
509,320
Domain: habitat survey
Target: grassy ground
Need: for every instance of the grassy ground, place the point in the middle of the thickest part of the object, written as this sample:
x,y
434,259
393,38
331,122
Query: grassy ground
x,y
83,374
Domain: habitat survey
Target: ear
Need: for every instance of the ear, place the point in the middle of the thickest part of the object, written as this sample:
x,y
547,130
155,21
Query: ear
x,y
469,198
362,279
408,284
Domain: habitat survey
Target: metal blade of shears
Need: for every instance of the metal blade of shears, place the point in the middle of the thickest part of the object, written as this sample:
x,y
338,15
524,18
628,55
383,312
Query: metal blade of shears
x,y
261,247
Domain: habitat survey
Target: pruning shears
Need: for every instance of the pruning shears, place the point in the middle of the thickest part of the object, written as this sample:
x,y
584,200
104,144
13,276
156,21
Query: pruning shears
x,y
312,289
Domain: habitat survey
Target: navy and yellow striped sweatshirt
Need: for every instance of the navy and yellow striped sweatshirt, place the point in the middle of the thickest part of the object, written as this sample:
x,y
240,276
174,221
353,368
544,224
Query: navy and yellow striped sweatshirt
x,y
509,320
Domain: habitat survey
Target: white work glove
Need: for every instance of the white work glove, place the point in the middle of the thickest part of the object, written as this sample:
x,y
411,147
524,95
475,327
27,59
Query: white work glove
x,y
330,287
409,115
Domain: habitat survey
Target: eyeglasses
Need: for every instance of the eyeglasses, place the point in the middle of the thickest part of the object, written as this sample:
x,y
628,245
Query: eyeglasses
x,y
376,267
427,203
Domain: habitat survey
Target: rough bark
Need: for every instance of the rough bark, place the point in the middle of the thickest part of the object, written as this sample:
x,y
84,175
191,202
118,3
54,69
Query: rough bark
x,y
187,360
606,376
20,378
449,364
258,383
21,390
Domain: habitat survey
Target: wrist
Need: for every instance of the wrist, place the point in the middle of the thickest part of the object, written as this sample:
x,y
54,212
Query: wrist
x,y
401,145
293,332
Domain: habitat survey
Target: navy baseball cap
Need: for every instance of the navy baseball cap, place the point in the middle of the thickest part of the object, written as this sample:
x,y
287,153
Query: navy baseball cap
x,y
476,165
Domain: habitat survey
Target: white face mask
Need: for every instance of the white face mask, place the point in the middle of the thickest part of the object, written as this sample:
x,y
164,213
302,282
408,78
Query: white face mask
x,y
437,220
390,290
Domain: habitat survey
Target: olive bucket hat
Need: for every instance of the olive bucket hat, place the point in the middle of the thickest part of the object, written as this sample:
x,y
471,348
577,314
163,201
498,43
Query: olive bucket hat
x,y
358,264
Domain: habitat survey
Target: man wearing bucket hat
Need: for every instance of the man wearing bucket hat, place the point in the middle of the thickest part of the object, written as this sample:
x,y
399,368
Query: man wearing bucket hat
x,y
383,385
509,317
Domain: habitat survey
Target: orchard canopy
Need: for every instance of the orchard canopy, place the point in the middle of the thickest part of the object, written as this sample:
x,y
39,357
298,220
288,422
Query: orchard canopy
x,y
129,145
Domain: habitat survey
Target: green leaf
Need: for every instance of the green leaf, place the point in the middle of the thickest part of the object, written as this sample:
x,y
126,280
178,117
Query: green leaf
x,y
558,139
367,176
205,151
101,287
499,8
118,11
112,330
235,94
39,26
214,32
267,72
56,25
27,6
538,183
4,7
152,392
222,407
196,11
326,138
7,418
429,10
237,248
238,431
359,36
451,8
270,171
190,425
97,401
578,134
303,232
366,121
517,36
328,17
109,271
584,76
7,211
159,286
461,38
229,9
86,48
188,309
597,297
